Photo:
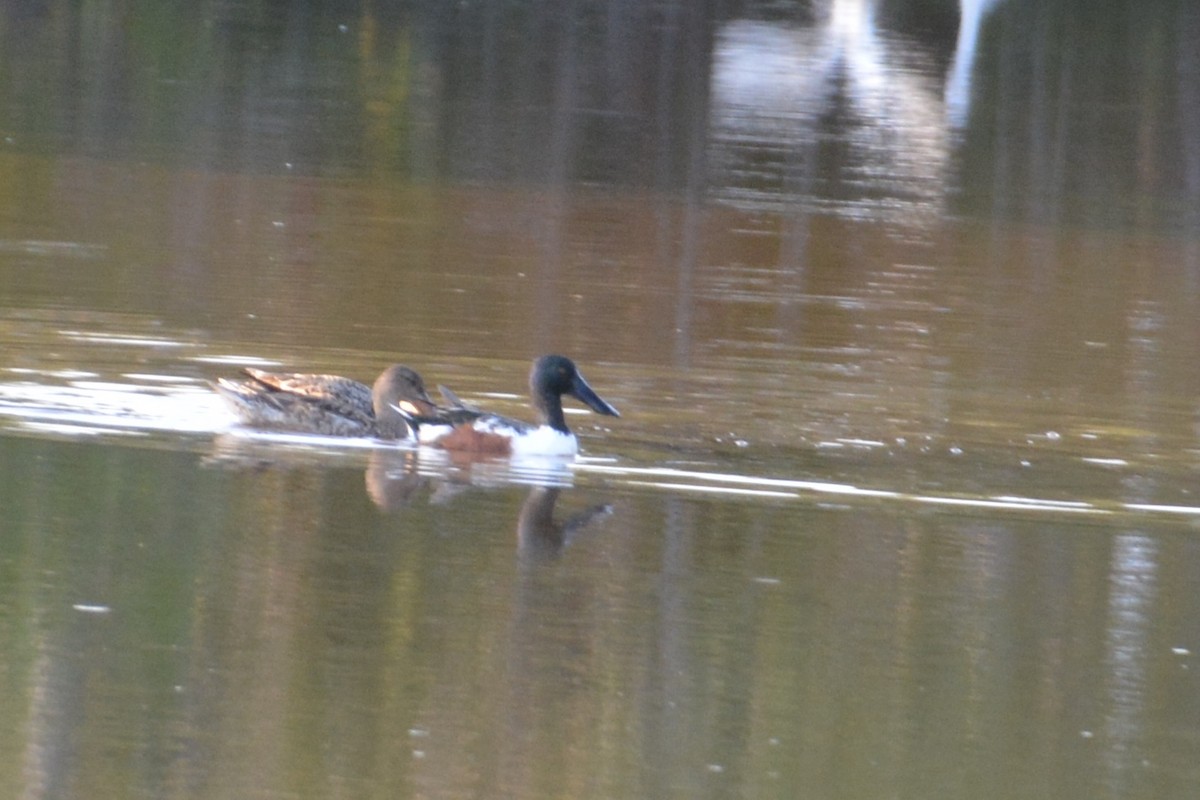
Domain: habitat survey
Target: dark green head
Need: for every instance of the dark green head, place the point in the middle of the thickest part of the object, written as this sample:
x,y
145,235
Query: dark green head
x,y
553,376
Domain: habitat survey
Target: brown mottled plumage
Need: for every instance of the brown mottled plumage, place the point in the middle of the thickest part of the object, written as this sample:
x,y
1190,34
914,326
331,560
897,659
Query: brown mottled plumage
x,y
330,404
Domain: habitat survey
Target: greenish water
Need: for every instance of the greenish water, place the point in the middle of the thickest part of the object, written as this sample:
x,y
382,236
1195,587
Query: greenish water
x,y
177,628
901,320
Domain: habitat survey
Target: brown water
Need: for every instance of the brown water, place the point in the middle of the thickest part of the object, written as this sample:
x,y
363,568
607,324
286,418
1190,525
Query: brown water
x,y
900,315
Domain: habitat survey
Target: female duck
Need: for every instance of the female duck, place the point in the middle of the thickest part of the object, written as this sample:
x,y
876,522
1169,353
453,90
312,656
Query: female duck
x,y
330,405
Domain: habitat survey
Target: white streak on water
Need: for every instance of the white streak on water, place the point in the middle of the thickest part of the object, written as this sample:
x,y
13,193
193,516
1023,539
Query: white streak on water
x,y
61,374
696,481
89,407
88,608
126,340
236,359
78,430
691,487
148,377
1162,509
313,440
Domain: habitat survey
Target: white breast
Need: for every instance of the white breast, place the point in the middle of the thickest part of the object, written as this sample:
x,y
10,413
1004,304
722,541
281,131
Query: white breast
x,y
428,434
545,441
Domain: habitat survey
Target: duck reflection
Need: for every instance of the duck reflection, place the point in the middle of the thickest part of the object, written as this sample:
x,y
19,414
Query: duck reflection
x,y
398,478
539,535
395,480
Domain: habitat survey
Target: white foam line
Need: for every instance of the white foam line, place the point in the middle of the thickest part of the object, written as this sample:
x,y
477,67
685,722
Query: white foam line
x,y
80,430
118,389
313,440
150,377
777,483
1181,510
1008,505
90,608
691,487
239,360
135,341
65,374
1037,501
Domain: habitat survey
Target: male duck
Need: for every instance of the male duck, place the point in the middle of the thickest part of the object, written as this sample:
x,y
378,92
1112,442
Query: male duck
x,y
330,404
477,432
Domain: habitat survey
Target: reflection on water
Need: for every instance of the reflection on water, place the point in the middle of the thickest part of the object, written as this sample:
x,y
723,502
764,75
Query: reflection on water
x,y
898,300
540,534
972,16
1131,596
518,642
775,89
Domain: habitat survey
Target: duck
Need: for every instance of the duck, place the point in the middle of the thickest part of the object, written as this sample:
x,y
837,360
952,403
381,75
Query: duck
x,y
331,405
463,428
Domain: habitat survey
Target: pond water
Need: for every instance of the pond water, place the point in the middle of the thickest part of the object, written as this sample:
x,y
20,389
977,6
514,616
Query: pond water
x,y
899,302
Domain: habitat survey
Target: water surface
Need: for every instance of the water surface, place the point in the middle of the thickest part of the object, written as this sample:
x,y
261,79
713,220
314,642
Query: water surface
x,y
898,302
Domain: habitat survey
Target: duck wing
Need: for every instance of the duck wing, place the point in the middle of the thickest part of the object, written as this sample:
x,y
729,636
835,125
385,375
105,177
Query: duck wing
x,y
323,404
332,393
454,401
